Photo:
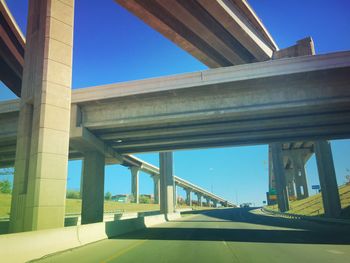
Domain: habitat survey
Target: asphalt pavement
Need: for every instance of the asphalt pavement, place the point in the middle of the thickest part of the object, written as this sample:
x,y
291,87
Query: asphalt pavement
x,y
221,235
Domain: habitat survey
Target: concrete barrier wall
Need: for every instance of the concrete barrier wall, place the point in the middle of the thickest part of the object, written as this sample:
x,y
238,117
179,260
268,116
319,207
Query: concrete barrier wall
x,y
22,247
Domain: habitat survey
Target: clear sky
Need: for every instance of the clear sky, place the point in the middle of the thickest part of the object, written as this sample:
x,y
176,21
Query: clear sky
x,y
111,45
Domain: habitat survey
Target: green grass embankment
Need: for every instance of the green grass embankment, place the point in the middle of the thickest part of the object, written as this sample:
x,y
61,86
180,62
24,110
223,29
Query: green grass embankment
x,y
312,206
73,206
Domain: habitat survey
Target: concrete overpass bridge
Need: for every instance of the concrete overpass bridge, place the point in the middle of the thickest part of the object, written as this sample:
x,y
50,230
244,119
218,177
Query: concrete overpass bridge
x,y
285,98
243,104
9,112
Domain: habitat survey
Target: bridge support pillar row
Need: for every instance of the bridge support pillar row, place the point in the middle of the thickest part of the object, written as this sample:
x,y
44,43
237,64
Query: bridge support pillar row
x,y
188,197
166,182
135,183
38,198
93,188
278,170
156,189
328,181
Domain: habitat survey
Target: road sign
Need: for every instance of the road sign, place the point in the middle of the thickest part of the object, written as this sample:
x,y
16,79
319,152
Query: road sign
x,y
316,187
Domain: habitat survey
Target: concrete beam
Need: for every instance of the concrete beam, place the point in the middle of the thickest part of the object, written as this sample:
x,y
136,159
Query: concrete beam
x,y
304,47
12,45
82,140
232,113
218,33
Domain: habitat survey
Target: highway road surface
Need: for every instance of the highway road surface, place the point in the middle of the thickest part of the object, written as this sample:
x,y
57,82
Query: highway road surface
x,y
222,235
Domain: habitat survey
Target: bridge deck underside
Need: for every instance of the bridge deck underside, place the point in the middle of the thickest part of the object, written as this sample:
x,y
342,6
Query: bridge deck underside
x,y
290,100
264,111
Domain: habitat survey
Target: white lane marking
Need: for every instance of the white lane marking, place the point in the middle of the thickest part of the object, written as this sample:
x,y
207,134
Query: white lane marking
x,y
337,252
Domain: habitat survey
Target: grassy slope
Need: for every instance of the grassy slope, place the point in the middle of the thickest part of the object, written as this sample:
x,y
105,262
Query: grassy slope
x,y
74,206
313,205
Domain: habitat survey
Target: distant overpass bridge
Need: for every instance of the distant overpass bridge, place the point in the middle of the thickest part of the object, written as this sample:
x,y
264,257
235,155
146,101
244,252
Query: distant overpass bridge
x,y
9,120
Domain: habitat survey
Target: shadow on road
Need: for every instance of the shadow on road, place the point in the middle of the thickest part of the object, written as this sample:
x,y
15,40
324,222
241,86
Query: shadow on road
x,y
295,231
237,235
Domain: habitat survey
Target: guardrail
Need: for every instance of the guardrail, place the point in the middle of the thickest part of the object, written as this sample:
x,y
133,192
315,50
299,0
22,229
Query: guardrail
x,y
281,214
308,218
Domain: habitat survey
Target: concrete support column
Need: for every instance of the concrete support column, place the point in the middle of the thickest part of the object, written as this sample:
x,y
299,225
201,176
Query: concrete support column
x,y
156,189
215,203
300,177
166,182
135,183
199,199
328,180
38,198
175,195
208,201
290,183
188,197
93,188
278,170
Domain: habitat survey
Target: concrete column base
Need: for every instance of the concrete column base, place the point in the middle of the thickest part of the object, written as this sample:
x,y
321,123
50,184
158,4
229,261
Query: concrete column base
x,y
93,188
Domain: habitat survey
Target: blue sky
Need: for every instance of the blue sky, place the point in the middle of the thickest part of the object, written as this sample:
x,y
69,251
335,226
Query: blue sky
x,y
111,45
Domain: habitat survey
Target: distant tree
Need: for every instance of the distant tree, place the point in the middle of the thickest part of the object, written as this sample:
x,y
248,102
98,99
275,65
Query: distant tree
x,y
73,194
5,187
108,196
143,199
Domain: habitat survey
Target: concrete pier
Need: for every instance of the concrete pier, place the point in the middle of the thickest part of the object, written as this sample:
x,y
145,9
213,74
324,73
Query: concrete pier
x,y
278,170
93,188
38,199
156,189
207,201
166,182
289,173
328,180
300,176
135,183
188,197
199,199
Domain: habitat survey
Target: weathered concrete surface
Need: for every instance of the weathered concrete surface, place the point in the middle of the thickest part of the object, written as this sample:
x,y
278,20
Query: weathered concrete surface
x,y
135,183
217,33
279,173
12,45
93,188
328,180
221,235
167,183
233,106
45,242
38,197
